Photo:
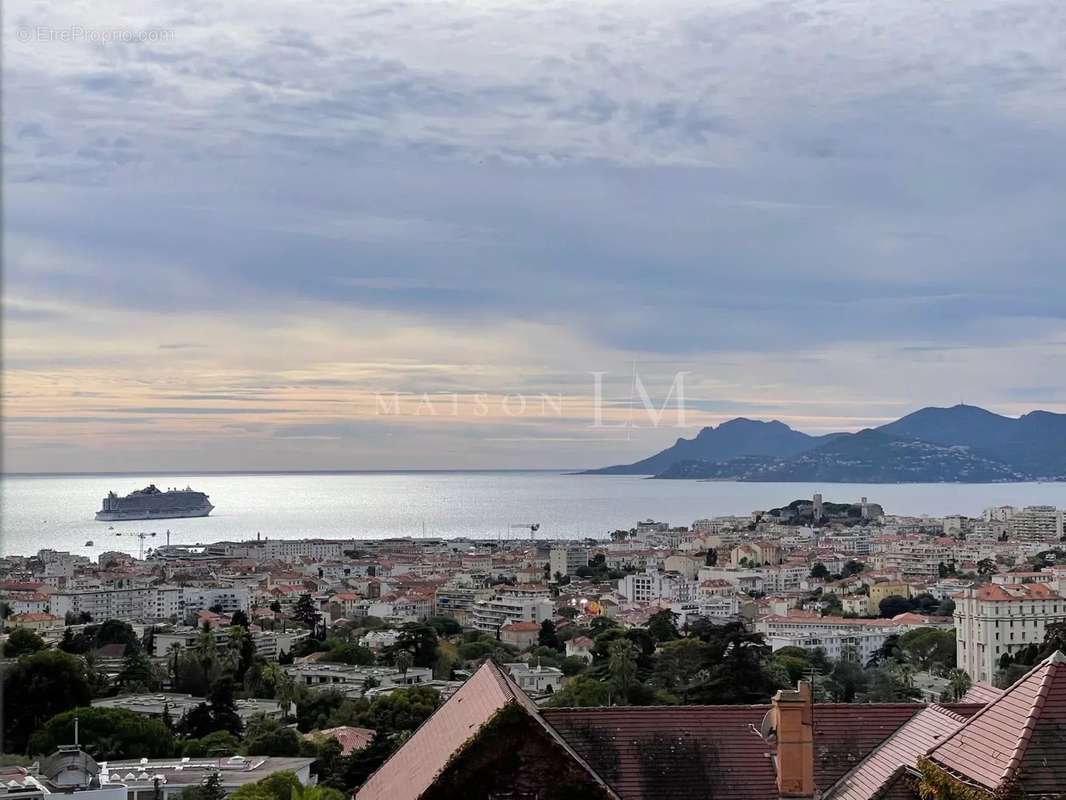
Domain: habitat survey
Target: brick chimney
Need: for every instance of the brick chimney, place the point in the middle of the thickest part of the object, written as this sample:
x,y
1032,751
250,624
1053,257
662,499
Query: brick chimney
x,y
793,722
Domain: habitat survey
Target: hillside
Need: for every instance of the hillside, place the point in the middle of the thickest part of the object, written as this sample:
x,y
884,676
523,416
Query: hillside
x,y
865,457
733,439
961,444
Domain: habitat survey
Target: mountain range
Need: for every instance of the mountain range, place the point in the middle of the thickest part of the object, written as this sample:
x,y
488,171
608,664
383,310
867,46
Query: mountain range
x,y
960,444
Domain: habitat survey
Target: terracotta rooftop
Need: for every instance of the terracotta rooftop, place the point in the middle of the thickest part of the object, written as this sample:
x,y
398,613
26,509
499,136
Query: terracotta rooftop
x,y
1014,591
673,752
350,738
1017,740
913,739
519,627
982,693
412,769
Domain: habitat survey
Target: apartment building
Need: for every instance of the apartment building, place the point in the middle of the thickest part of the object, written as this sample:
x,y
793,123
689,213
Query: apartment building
x,y
149,603
997,619
1036,524
567,560
491,614
652,585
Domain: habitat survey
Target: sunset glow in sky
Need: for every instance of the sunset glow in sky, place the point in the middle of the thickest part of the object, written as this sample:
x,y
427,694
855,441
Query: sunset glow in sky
x,y
232,231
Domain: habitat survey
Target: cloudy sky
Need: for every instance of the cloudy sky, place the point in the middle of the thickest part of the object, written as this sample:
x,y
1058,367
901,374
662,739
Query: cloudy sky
x,y
380,233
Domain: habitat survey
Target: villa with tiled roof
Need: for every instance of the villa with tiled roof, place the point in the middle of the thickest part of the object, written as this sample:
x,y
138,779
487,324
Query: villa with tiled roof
x,y
490,741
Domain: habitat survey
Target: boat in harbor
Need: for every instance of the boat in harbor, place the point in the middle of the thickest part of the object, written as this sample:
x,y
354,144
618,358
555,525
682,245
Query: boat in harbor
x,y
153,503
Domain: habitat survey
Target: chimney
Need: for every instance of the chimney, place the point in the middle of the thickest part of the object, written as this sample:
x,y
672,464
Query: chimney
x,y
793,722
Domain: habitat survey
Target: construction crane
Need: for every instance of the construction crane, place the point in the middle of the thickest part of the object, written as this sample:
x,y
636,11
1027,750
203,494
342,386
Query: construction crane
x,y
532,527
142,536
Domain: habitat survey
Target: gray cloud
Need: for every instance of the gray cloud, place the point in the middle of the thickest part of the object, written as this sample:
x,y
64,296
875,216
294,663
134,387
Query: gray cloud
x,y
704,184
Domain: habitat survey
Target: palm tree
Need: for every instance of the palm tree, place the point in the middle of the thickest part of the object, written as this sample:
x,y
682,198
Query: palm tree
x,y
959,684
622,665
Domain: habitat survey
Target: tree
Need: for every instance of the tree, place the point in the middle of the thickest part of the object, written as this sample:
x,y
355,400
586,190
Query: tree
x,y
239,619
115,631
986,566
820,571
678,665
216,743
342,652
421,641
852,568
547,637
304,611
929,648
107,734
21,641
46,683
268,737
75,643
445,626
404,661
711,559
582,692
663,626
893,605
958,685
402,710
220,701
622,666
210,789
138,673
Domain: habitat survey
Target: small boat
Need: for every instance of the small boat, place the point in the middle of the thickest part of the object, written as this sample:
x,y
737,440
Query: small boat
x,y
89,543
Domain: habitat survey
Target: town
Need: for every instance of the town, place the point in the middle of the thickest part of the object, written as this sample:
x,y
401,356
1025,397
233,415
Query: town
x,y
250,667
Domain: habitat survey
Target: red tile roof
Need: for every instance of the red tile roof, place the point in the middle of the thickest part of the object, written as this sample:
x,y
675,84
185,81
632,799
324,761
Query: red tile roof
x,y
1014,591
350,738
681,753
902,749
844,734
412,769
982,693
1018,739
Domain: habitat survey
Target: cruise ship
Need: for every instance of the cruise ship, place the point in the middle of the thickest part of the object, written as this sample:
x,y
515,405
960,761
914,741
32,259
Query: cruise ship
x,y
151,503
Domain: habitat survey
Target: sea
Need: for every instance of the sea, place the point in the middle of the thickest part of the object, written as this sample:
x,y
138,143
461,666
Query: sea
x,y
56,511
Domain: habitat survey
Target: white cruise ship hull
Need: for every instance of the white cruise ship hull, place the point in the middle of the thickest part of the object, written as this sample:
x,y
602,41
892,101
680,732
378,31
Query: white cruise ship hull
x,y
183,513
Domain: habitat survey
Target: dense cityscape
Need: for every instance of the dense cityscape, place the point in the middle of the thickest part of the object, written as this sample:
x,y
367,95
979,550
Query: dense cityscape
x,y
258,668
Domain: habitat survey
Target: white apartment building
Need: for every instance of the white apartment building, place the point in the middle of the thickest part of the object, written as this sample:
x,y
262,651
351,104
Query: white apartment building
x,y
652,585
491,614
856,645
718,607
567,560
994,619
1036,524
838,636
290,549
103,604
914,559
149,603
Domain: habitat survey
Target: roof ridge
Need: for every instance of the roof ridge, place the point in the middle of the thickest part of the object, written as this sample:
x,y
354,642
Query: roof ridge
x,y
1049,664
947,712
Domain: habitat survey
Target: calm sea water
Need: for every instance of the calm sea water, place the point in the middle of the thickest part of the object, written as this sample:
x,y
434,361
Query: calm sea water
x,y
57,511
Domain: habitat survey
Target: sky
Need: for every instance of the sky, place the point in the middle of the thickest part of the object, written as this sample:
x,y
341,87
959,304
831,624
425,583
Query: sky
x,y
387,235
